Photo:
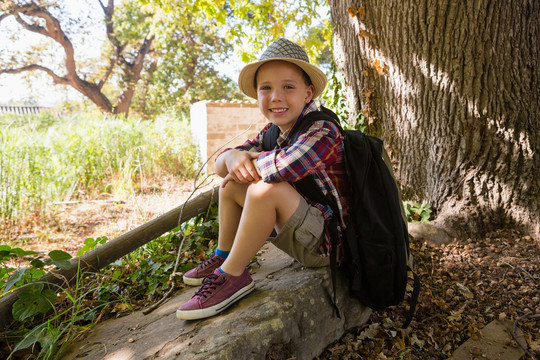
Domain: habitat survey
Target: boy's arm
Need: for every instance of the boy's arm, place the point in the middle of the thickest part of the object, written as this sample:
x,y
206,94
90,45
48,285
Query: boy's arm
x,y
239,163
238,166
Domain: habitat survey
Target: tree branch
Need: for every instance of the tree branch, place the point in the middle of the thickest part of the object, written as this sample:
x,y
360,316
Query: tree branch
x,y
118,48
107,74
41,21
31,27
52,29
135,74
3,16
57,79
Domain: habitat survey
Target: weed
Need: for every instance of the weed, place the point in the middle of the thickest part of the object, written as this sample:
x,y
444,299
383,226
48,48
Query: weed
x,y
47,322
417,212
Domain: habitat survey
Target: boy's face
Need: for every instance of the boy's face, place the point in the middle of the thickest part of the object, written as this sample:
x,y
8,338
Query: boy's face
x,y
282,92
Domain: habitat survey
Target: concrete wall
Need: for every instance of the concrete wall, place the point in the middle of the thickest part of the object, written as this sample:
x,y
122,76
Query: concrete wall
x,y
217,125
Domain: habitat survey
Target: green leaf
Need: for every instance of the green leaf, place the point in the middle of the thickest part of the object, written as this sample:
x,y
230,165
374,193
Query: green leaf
x,y
14,278
62,264
35,335
21,252
116,274
37,263
33,300
60,259
58,255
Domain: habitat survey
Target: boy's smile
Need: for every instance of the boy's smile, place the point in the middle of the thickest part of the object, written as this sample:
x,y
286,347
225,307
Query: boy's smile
x,y
282,92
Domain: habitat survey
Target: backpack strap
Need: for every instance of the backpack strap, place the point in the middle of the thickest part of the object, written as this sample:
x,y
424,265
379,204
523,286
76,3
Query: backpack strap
x,y
414,299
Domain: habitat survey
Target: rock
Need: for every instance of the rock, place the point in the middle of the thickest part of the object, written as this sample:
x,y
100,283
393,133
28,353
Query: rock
x,y
289,313
428,232
495,343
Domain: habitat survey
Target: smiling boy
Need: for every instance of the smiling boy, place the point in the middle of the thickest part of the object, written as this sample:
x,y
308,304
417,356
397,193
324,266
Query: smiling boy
x,y
258,194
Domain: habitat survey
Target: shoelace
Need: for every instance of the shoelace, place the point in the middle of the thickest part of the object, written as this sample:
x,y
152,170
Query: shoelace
x,y
209,261
209,284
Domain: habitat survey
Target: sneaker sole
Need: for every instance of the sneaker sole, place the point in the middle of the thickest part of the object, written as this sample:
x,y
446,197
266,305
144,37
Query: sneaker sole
x,y
215,309
192,281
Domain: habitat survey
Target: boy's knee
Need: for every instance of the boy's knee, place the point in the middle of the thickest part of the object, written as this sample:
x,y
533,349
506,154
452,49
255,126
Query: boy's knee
x,y
232,189
260,189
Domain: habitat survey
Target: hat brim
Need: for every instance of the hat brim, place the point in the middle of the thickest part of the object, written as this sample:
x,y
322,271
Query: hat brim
x,y
246,79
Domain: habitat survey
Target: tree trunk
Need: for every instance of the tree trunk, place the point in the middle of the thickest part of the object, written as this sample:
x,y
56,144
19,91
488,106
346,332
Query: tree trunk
x,y
133,76
453,89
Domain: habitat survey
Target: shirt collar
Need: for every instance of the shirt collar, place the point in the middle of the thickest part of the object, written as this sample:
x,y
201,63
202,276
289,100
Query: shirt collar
x,y
284,137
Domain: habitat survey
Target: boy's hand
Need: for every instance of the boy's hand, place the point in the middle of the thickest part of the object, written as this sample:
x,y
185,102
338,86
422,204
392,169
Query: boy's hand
x,y
242,168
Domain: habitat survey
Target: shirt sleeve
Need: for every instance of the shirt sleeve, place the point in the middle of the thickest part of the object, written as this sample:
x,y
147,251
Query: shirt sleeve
x,y
315,149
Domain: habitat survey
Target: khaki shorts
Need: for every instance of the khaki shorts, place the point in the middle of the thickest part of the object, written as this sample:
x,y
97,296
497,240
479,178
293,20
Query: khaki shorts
x,y
302,235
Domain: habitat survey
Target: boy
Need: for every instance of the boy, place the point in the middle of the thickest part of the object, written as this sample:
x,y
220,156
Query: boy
x,y
258,195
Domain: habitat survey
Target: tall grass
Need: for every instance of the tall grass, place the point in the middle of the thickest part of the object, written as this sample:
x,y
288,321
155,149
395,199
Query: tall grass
x,y
45,158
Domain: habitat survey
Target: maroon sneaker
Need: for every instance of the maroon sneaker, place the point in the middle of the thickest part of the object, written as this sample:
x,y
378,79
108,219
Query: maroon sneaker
x,y
195,276
217,292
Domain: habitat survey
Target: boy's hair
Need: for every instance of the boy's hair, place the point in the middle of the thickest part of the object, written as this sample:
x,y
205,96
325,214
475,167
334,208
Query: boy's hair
x,y
285,50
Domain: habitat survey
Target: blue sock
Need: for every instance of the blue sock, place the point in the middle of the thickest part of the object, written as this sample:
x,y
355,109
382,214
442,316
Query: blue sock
x,y
222,253
221,271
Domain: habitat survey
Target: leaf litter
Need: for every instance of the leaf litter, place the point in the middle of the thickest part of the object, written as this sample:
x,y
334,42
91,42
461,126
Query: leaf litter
x,y
465,285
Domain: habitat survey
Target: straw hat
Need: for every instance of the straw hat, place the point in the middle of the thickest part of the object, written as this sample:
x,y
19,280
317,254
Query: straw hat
x,y
281,49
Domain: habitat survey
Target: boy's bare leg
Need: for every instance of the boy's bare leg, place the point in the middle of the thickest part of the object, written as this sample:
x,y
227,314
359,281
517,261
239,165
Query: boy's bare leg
x,y
251,211
231,201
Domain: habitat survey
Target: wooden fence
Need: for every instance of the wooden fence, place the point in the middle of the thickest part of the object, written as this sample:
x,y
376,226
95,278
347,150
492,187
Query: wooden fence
x,y
22,110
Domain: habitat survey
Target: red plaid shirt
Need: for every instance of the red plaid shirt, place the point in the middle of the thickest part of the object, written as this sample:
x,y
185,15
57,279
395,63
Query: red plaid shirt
x,y
318,150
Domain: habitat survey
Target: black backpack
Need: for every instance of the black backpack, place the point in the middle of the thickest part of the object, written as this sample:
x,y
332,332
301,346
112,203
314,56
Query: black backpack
x,y
377,254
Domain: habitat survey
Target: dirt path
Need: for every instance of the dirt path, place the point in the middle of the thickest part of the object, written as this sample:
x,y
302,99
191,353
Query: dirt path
x,y
71,223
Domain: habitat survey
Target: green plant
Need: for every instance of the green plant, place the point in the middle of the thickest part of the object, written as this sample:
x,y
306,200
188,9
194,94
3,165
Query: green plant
x,y
64,313
12,272
417,212
71,316
47,322
90,244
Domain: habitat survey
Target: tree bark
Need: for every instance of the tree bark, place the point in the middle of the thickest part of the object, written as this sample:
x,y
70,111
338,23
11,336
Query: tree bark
x,y
453,89
114,249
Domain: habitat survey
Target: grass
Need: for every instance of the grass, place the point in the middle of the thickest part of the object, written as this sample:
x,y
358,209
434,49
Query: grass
x,y
47,158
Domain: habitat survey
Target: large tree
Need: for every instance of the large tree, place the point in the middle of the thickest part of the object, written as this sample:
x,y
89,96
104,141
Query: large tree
x,y
452,86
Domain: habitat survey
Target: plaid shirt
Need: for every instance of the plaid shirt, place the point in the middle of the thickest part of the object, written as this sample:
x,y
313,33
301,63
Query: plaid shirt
x,y
318,151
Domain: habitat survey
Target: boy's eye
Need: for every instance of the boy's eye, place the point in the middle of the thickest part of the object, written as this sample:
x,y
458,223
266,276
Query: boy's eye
x,y
264,87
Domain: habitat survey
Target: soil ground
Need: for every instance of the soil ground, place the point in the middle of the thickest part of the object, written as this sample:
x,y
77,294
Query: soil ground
x,y
465,284
69,224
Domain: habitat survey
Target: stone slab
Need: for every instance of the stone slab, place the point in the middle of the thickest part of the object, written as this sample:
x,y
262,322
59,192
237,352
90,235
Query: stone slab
x,y
290,308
